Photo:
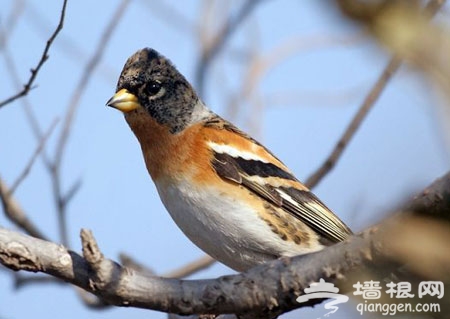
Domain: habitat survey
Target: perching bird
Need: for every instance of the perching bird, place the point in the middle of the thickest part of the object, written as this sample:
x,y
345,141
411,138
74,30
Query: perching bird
x,y
229,195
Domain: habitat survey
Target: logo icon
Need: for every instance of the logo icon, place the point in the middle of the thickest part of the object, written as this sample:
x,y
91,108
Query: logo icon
x,y
324,290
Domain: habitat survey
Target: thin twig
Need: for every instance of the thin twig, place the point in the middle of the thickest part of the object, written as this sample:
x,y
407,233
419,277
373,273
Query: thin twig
x,y
11,22
91,301
130,262
15,213
171,15
366,106
320,98
260,64
66,44
34,72
60,198
29,113
20,281
85,78
191,268
73,190
431,8
209,52
184,271
33,157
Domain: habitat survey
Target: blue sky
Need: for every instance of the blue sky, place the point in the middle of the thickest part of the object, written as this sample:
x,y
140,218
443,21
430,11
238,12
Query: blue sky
x,y
307,101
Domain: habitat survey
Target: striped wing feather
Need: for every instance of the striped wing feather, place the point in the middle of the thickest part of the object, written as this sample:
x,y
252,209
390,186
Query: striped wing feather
x,y
302,204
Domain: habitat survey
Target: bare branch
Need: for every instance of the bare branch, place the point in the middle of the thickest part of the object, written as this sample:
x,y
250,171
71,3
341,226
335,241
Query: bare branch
x,y
130,262
430,10
85,78
259,65
22,281
125,287
11,22
66,44
61,199
15,213
220,39
191,268
262,292
34,72
33,157
73,190
404,28
319,98
92,301
173,17
30,115
355,123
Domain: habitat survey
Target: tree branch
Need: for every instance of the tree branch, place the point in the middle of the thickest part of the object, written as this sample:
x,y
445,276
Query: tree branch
x,y
34,72
262,292
61,198
220,39
15,213
355,123
362,11
191,268
33,158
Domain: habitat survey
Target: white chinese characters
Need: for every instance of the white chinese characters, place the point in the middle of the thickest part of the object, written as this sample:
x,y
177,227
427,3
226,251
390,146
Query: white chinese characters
x,y
372,289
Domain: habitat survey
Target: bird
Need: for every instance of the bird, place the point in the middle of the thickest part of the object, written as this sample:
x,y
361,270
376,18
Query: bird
x,y
227,193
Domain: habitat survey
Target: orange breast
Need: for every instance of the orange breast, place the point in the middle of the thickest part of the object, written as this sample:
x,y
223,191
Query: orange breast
x,y
168,156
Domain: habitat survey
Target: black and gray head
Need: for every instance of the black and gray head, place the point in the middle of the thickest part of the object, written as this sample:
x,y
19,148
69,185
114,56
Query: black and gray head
x,y
150,81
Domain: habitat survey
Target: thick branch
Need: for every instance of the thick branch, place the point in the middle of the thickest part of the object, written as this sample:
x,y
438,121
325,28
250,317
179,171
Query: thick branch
x,y
264,291
283,279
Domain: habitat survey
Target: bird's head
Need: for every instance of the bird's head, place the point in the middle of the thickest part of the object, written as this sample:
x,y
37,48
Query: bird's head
x,y
149,82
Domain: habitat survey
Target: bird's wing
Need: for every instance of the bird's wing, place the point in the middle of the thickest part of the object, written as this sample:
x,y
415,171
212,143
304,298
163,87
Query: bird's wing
x,y
250,164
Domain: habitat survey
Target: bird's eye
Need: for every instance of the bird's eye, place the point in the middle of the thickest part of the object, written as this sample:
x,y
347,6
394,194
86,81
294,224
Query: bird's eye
x,y
153,88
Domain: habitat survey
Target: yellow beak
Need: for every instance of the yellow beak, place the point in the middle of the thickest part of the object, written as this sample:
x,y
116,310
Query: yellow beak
x,y
123,101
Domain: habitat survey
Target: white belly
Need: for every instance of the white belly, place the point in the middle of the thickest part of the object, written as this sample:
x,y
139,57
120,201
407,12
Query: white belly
x,y
223,228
